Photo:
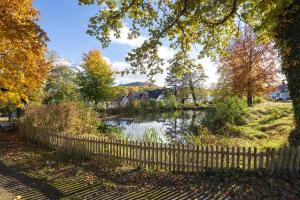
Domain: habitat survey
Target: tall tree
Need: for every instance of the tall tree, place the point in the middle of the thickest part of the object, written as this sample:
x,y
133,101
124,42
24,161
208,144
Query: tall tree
x,y
23,66
173,79
61,85
249,69
96,80
208,23
193,78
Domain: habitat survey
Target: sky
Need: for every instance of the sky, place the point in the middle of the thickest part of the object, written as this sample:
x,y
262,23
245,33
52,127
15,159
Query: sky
x,y
66,23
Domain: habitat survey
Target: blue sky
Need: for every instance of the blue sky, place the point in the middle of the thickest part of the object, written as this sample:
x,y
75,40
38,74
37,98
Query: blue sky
x,y
66,23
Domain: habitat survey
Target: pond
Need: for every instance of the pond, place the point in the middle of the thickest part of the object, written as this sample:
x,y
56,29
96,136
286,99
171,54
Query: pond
x,y
168,126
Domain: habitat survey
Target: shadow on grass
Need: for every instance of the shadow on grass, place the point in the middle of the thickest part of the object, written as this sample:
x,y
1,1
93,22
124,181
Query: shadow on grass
x,y
70,178
15,181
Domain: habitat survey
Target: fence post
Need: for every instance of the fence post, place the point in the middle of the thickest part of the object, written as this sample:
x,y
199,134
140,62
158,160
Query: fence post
x,y
249,158
217,157
238,157
244,158
212,157
174,157
197,159
297,159
206,157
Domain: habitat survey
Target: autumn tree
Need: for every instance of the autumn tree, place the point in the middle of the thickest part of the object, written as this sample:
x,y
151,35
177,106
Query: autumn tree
x,y
209,24
249,69
23,66
96,80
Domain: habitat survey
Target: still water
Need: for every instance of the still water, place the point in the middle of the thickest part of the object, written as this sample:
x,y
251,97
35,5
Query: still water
x,y
169,126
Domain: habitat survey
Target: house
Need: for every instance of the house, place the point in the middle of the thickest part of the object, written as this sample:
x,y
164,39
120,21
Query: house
x,y
156,95
118,102
281,94
143,96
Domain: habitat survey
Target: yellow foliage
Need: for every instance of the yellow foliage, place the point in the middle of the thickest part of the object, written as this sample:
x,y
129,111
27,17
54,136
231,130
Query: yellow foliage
x,y
23,66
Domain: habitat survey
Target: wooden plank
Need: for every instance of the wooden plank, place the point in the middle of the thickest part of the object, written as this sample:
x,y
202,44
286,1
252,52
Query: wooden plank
x,y
161,155
145,154
255,158
285,158
178,157
193,158
267,159
170,158
297,160
232,157
211,157
174,157
238,157
222,157
183,157
291,160
244,158
165,156
157,155
227,157
272,162
188,158
197,158
217,157
149,154
206,157
202,157
261,160
249,158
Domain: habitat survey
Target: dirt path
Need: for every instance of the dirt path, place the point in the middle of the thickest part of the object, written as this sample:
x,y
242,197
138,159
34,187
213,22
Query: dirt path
x,y
32,172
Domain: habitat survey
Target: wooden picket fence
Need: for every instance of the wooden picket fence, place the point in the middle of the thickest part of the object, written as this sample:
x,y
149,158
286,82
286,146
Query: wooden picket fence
x,y
170,157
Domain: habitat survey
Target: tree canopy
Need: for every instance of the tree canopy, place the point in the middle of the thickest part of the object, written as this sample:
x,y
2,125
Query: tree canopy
x,y
23,66
249,69
96,80
208,25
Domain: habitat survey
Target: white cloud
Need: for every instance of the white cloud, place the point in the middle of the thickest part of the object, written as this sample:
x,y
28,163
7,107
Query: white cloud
x,y
62,61
125,40
165,52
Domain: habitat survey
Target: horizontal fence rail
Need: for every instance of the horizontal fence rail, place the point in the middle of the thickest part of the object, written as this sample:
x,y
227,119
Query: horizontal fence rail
x,y
170,157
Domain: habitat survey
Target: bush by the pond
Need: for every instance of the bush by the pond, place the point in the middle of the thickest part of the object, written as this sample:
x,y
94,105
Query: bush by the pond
x,y
72,118
231,111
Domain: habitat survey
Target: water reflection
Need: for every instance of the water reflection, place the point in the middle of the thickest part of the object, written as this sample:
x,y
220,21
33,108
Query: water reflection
x,y
169,126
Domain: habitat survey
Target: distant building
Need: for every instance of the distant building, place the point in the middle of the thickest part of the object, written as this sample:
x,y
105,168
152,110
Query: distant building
x,y
119,102
281,94
156,95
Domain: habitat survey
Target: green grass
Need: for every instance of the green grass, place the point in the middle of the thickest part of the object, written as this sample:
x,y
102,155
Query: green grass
x,y
268,126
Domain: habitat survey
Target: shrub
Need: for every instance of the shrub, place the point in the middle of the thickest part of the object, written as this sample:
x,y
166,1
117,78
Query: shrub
x,y
231,111
171,102
72,118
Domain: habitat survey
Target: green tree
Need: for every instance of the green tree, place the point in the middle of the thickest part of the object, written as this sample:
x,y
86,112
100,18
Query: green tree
x,y
193,78
61,85
96,80
210,24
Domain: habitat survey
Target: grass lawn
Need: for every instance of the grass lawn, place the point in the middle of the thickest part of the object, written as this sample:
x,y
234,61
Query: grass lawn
x,y
35,172
267,125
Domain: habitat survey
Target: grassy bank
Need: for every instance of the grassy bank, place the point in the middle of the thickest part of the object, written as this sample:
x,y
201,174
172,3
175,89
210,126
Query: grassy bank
x,y
267,125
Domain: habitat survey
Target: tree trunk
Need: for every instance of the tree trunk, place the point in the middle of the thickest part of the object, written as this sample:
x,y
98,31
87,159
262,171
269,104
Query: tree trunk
x,y
249,99
249,95
193,92
288,39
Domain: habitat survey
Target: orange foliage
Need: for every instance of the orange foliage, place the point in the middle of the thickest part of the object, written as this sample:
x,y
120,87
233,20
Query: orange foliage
x,y
23,67
250,69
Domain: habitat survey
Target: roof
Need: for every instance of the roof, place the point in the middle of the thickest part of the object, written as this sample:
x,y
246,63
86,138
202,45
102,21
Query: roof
x,y
154,94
